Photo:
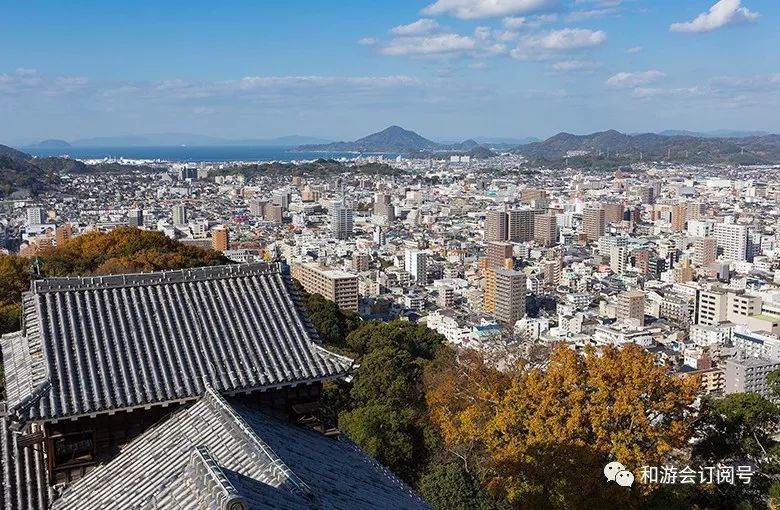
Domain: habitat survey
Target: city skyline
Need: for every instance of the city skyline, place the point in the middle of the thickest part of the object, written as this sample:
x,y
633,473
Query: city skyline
x,y
449,69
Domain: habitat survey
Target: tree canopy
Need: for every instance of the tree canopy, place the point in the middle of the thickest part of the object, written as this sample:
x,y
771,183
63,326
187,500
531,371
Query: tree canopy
x,y
570,419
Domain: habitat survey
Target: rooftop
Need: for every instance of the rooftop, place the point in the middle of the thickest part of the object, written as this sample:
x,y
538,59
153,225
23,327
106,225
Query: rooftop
x,y
97,344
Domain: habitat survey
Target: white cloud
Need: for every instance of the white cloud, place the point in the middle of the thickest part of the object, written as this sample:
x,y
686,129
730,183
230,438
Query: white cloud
x,y
634,49
474,9
515,22
600,3
589,14
487,33
646,92
628,80
552,44
565,39
429,45
574,66
419,27
367,41
723,13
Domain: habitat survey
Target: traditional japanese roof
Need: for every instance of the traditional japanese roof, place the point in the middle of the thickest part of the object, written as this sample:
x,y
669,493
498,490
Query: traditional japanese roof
x,y
218,454
102,343
24,482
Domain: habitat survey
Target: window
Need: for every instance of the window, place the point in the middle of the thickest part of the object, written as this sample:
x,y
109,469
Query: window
x,y
73,448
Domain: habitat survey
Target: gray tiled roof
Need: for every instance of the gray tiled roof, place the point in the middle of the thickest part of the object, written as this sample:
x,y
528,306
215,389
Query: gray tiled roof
x,y
215,453
24,478
96,344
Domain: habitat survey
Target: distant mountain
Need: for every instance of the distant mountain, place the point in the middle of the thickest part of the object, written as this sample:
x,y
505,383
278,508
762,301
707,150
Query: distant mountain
x,y
507,141
19,174
173,139
620,147
723,133
392,139
395,139
51,144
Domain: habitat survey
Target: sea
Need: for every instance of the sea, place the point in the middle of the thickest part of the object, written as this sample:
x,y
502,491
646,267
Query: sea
x,y
188,153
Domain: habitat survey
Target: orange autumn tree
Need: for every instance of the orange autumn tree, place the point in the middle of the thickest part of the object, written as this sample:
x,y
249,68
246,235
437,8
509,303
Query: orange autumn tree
x,y
540,437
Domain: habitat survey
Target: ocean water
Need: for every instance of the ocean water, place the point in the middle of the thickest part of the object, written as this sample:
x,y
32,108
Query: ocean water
x,y
191,153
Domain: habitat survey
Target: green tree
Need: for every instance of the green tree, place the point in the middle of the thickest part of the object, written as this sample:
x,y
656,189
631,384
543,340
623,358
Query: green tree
x,y
449,487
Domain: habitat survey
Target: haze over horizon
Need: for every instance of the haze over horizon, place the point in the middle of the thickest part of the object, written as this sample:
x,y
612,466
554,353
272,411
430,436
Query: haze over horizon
x,y
447,69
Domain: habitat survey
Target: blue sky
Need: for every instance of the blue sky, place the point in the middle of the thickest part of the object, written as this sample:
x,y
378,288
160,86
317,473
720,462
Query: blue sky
x,y
449,69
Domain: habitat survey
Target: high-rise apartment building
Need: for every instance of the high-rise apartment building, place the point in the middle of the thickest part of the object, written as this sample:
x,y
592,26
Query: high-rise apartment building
x,y
341,222
63,233
497,226
179,213
220,238
631,306
135,217
383,207
546,229
34,215
416,264
334,285
613,213
732,240
705,251
507,302
593,224
499,255
521,224
618,259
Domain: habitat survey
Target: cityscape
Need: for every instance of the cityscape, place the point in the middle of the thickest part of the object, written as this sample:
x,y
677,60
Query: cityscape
x,y
386,318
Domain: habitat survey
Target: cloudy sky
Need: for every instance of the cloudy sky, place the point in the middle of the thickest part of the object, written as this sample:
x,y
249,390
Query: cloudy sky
x,y
449,69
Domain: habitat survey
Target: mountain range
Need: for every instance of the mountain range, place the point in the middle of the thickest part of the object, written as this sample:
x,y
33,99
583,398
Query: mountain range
x,y
611,146
619,147
172,139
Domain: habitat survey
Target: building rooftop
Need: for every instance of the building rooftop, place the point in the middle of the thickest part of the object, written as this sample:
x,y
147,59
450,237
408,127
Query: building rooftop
x,y
97,344
217,453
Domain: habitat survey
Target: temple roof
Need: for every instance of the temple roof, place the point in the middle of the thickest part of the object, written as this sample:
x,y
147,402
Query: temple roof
x,y
219,454
97,344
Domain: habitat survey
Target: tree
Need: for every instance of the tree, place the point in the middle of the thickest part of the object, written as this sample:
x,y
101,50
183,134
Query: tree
x,y
449,487
739,429
386,415
543,436
332,324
